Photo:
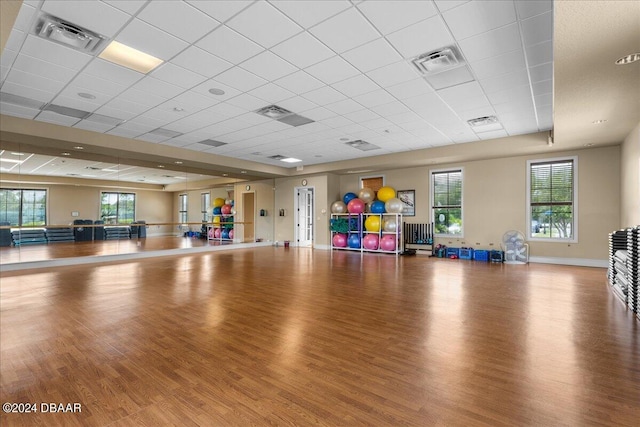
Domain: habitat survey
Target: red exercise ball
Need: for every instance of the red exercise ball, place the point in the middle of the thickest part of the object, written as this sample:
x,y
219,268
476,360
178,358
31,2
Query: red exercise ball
x,y
226,209
356,206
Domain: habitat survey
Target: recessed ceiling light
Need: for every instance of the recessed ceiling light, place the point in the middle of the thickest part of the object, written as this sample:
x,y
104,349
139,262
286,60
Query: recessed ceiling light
x,y
15,153
225,174
290,160
178,162
79,147
65,153
129,57
216,91
11,161
599,122
160,166
86,95
589,144
243,171
178,109
628,59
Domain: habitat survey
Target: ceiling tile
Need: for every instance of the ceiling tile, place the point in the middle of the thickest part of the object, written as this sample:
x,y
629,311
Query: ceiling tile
x,y
93,126
324,95
23,20
130,6
390,16
337,121
302,50
375,98
204,87
527,9
545,86
345,31
345,106
498,65
221,10
541,72
158,87
425,36
16,38
540,53
179,19
392,108
299,82
464,97
372,55
297,104
250,22
319,113
92,15
505,81
178,76
510,95
272,93
18,111
362,116
202,62
109,71
34,81
33,65
493,134
537,29
332,70
114,108
444,5
247,102
146,38
409,88
191,101
393,74
310,12
141,98
356,85
58,119
476,17
491,43
229,45
269,66
54,53
240,79
103,89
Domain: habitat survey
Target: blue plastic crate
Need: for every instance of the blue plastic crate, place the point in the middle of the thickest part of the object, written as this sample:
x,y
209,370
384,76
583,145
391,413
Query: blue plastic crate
x,y
481,255
466,253
455,252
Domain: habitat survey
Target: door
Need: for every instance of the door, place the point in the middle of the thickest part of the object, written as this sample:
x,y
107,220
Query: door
x,y
304,216
249,209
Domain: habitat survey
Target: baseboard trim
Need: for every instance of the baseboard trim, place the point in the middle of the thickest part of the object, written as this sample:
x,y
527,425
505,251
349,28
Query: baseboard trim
x,y
580,262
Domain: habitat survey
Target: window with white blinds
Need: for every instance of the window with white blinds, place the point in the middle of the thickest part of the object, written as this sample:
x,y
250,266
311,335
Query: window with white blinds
x,y
183,216
551,199
446,202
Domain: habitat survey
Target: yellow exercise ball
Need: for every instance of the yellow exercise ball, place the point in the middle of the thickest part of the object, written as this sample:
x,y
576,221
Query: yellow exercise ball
x,y
218,202
366,195
386,193
216,220
372,223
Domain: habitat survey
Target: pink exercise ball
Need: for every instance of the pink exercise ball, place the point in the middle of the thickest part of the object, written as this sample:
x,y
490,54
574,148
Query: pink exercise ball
x,y
226,209
370,242
231,233
340,240
388,243
356,206
217,233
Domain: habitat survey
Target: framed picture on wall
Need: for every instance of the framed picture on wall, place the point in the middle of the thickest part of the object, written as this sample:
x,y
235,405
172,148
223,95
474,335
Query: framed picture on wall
x,y
408,199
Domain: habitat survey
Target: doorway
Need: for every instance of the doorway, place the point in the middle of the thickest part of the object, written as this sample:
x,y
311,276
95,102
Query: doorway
x,y
249,219
304,201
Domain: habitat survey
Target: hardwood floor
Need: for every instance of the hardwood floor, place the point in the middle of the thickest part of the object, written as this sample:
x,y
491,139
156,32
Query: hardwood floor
x,y
274,336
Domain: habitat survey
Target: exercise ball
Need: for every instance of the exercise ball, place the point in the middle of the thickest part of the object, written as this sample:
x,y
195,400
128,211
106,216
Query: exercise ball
x,y
216,220
372,223
217,210
366,195
340,240
217,202
354,241
393,206
228,202
349,197
388,242
386,193
339,207
355,206
231,234
390,225
370,241
377,207
217,232
225,233
226,209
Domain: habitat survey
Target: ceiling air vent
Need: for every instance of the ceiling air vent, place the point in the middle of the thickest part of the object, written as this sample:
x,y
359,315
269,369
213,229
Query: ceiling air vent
x,y
483,121
283,115
168,133
277,157
212,143
438,61
20,100
66,111
55,29
362,145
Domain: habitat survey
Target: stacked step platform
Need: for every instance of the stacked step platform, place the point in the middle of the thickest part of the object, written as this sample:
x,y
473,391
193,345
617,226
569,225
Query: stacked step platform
x,y
60,234
624,273
633,273
28,236
5,234
116,233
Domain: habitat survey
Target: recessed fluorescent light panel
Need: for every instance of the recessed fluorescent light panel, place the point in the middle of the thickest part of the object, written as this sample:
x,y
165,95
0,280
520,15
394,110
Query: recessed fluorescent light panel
x,y
290,160
129,57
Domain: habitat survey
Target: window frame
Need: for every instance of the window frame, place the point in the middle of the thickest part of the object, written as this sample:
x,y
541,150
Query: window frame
x,y
574,207
205,203
432,207
183,208
118,193
21,206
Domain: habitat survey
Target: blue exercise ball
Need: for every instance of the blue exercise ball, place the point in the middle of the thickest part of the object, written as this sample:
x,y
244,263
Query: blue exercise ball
x,y
377,207
217,210
349,197
354,241
225,233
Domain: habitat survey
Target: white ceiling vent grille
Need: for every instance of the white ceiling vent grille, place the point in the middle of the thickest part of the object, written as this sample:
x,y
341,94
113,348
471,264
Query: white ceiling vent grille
x,y
362,145
483,121
283,115
55,29
438,61
66,111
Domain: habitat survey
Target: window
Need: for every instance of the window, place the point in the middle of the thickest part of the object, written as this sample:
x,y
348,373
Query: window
x,y
118,208
182,209
551,198
23,208
446,202
373,182
205,202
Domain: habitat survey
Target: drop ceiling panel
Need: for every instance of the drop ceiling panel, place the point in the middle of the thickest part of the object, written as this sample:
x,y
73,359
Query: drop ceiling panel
x,y
505,81
179,19
391,109
93,15
229,45
27,92
527,9
324,95
498,65
269,66
372,55
201,62
303,50
76,102
318,114
119,113
177,75
58,119
246,102
356,85
425,36
250,23
271,93
477,17
374,98
240,79
102,89
93,126
149,39
157,87
393,74
129,6
332,70
388,17
115,73
23,20
345,31
492,43
541,72
344,107
35,81
311,12
18,110
539,54
299,82
192,102
410,88
221,10
54,53
537,29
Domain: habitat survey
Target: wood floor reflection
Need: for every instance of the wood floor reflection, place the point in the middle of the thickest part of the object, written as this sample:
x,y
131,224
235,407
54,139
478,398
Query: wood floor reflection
x,y
274,336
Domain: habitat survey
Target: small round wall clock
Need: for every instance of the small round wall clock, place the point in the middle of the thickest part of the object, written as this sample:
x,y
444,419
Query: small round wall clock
x,y
304,182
